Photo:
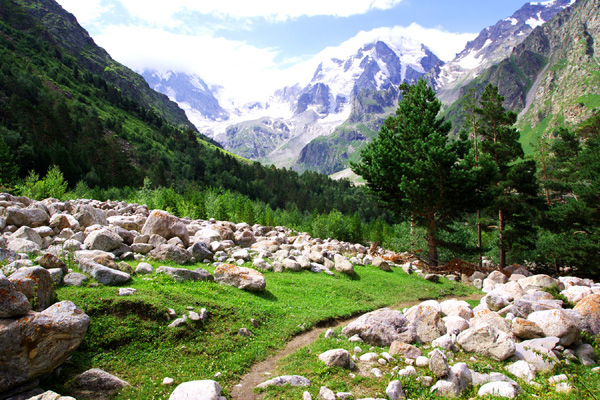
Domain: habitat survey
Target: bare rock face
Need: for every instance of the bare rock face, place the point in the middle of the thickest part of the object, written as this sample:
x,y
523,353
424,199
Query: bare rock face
x,y
166,225
37,343
240,277
381,327
36,284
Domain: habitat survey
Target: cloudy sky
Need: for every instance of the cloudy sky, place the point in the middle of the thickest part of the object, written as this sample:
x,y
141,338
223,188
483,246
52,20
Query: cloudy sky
x,y
249,46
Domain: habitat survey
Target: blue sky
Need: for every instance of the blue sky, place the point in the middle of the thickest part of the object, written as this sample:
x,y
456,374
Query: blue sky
x,y
248,46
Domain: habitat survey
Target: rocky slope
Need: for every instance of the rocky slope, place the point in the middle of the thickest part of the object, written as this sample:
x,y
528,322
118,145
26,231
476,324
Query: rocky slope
x,y
491,46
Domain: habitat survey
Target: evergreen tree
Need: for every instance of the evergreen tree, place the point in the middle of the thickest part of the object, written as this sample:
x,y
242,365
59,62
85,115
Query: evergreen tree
x,y
416,169
515,186
8,169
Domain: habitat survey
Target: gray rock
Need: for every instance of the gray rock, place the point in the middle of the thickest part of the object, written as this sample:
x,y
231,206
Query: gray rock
x,y
31,217
104,275
438,363
64,221
395,391
381,327
292,380
144,269
87,215
427,323
168,252
97,384
36,284
557,323
291,265
50,261
56,274
127,291
142,248
166,225
522,369
405,350
457,308
48,395
74,279
200,252
589,309
13,303
240,277
28,233
343,265
103,240
585,353
182,274
538,352
37,343
23,246
499,389
336,358
326,394
537,282
197,390
488,341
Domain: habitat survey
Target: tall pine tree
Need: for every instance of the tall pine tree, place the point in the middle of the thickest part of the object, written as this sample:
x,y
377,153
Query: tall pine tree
x,y
417,170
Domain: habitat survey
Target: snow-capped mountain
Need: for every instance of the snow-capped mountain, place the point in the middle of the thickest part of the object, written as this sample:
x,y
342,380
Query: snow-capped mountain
x,y
492,45
326,102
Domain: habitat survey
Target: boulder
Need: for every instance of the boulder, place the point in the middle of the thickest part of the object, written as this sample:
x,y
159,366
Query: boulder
x,y
488,341
23,246
524,329
144,269
427,323
455,325
459,379
200,252
37,343
87,215
538,352
498,389
240,277
291,265
381,327
104,275
182,274
537,282
522,369
31,217
343,265
103,240
589,309
292,380
557,323
395,391
36,284
142,248
197,390
166,225
127,222
13,303
438,363
169,252
97,384
457,308
336,358
74,279
64,221
27,233
50,261
404,349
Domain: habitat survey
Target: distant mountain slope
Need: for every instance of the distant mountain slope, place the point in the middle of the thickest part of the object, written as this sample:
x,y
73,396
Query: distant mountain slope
x,y
60,27
491,46
553,78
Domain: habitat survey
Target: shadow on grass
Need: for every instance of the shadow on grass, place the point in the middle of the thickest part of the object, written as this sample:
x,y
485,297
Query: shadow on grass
x,y
267,295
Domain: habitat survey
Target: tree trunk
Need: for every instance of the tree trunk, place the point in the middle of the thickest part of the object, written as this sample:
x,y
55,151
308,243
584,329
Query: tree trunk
x,y
432,242
500,239
479,242
412,234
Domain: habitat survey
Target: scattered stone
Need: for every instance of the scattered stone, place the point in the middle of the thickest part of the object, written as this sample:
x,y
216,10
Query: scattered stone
x,y
500,389
326,394
522,369
74,279
96,384
168,381
127,291
381,327
144,269
557,323
50,261
538,352
197,390
104,275
292,380
182,274
104,240
165,225
240,277
404,350
342,264
438,363
245,332
426,321
169,252
589,309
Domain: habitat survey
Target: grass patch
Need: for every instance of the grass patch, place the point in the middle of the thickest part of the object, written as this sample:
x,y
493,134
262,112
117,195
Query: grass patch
x,y
129,337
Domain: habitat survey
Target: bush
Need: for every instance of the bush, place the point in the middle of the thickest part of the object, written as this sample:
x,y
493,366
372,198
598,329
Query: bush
x,y
52,185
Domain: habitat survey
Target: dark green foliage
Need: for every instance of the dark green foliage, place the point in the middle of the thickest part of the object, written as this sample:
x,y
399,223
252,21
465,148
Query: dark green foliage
x,y
8,168
416,169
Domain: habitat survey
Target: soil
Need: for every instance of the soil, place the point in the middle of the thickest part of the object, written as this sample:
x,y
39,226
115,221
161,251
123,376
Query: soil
x,y
258,372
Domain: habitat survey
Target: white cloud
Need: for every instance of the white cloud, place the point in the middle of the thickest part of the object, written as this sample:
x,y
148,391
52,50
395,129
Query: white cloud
x,y
163,12
85,11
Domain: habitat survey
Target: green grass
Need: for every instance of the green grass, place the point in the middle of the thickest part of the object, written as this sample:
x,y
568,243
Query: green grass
x,y
129,337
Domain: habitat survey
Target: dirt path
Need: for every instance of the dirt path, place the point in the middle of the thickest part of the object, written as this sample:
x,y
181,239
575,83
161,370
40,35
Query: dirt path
x,y
245,389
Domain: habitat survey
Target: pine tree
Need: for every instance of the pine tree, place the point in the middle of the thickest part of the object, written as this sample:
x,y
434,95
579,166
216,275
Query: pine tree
x,y
416,169
8,169
516,186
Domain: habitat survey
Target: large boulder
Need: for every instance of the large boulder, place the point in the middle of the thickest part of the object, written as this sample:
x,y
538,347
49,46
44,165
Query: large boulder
x,y
13,303
200,252
427,322
240,277
31,217
197,390
457,308
50,261
127,222
103,240
36,284
487,341
538,352
166,225
37,343
381,327
182,274
97,384
589,309
28,233
104,275
87,215
23,246
557,323
537,282
342,264
169,252
64,221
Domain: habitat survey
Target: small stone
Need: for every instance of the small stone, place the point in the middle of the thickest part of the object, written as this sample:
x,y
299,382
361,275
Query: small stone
x,y
330,333
255,323
245,332
168,381
377,372
126,291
